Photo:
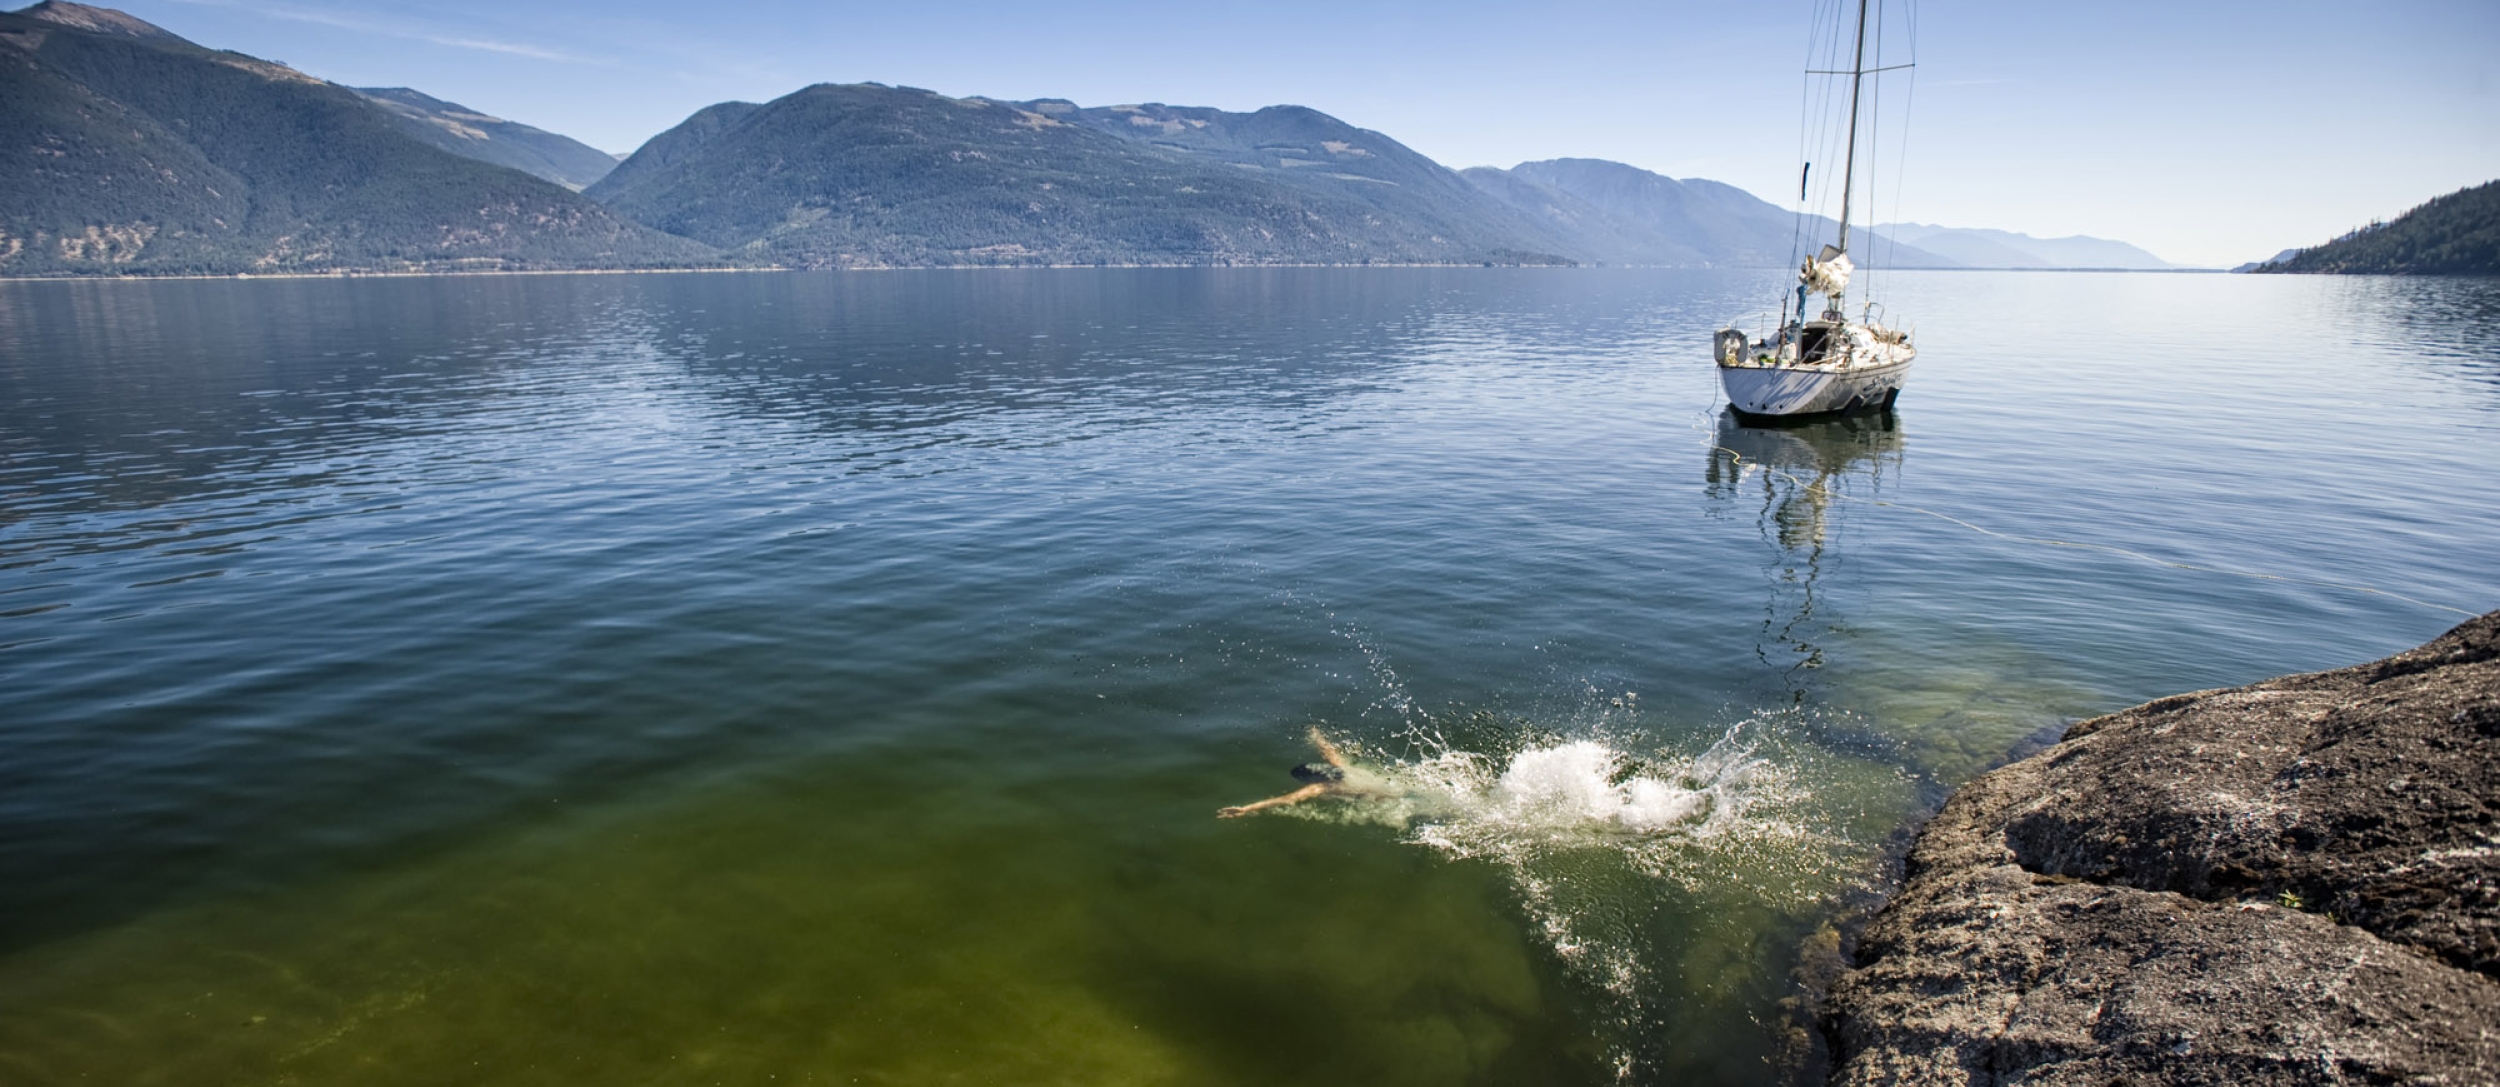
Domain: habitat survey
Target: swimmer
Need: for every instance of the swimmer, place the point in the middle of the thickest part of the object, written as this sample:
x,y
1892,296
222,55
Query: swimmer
x,y
1334,778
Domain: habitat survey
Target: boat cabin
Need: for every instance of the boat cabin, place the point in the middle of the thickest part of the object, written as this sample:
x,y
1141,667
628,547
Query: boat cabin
x,y
1818,340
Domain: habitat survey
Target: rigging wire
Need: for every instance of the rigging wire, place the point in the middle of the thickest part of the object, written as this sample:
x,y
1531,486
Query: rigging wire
x,y
1828,35
1808,146
1823,127
1814,128
1874,140
1892,242
1805,156
1901,158
1833,136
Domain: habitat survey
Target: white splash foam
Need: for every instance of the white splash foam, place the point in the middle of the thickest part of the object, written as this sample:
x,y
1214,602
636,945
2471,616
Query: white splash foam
x,y
1581,794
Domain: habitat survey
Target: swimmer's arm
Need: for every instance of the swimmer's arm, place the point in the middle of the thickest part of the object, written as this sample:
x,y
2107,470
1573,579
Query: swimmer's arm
x,y
1327,750
1295,797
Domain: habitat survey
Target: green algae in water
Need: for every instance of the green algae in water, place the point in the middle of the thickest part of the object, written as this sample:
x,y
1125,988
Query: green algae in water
x,y
916,914
785,931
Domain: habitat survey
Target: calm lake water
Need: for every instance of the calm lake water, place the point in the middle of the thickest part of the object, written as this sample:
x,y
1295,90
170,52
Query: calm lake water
x,y
834,678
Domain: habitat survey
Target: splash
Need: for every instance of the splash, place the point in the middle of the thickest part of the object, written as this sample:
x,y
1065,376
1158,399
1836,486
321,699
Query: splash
x,y
1580,794
1573,796
1618,858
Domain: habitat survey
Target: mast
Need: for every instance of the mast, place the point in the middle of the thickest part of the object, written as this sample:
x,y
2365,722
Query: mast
x,y
1849,168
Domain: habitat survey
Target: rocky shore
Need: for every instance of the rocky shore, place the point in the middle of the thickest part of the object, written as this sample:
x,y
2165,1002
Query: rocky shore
x,y
2296,881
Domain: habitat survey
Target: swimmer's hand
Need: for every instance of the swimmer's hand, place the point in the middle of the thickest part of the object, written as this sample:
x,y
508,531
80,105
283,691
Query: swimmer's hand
x,y
1327,750
1235,812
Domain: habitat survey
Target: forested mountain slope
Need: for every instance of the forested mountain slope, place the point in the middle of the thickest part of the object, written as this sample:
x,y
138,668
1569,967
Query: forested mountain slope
x,y
2457,234
466,132
124,148
865,175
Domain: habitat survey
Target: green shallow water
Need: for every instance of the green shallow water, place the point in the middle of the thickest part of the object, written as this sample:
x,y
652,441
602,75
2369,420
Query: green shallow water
x,y
985,928
785,678
897,933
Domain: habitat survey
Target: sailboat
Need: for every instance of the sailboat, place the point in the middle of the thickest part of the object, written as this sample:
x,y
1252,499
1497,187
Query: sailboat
x,y
1830,364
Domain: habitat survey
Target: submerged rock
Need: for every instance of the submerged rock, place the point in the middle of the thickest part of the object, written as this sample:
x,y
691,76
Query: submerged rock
x,y
2296,881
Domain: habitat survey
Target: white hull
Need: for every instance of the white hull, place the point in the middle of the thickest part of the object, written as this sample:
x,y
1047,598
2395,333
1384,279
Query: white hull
x,y
1829,364
1812,390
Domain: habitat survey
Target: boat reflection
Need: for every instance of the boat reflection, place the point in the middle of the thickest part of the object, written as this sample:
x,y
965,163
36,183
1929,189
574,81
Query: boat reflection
x,y
1801,473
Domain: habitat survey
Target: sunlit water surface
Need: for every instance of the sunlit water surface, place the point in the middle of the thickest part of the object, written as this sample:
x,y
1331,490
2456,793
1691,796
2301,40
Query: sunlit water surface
x,y
833,679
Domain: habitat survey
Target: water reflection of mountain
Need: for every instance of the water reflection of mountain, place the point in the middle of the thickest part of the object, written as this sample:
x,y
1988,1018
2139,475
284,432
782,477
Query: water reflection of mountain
x,y
988,357
138,396
141,396
1799,472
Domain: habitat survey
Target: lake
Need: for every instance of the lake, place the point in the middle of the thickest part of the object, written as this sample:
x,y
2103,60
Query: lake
x,y
792,678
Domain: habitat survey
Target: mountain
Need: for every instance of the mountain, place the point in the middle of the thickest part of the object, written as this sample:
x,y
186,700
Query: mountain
x,y
100,21
1633,216
2457,234
677,146
124,148
470,134
866,175
1303,147
1719,223
2004,249
2278,258
1598,232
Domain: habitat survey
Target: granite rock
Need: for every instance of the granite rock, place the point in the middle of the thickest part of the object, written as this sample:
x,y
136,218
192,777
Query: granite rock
x,y
2296,881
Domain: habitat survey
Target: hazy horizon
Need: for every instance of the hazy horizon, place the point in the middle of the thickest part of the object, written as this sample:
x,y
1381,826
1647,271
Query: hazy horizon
x,y
2209,137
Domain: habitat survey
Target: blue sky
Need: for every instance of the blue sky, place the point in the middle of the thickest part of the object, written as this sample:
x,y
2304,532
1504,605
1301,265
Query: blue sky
x,y
2210,133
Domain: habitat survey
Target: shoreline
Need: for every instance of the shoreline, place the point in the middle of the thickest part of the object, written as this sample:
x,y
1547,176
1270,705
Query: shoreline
x,y
2291,881
352,273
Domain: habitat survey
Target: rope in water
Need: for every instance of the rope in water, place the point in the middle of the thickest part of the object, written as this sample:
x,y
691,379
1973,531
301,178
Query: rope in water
x,y
2043,541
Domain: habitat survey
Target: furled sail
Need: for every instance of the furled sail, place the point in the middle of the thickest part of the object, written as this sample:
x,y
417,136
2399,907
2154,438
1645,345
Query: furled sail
x,y
1827,272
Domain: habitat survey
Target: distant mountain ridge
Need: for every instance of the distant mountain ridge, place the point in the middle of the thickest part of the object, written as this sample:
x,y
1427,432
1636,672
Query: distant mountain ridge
x,y
2278,258
95,20
867,175
466,132
1639,217
1301,147
1974,248
2456,234
124,148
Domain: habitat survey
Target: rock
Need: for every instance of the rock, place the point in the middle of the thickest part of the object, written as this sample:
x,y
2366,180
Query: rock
x,y
2296,881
